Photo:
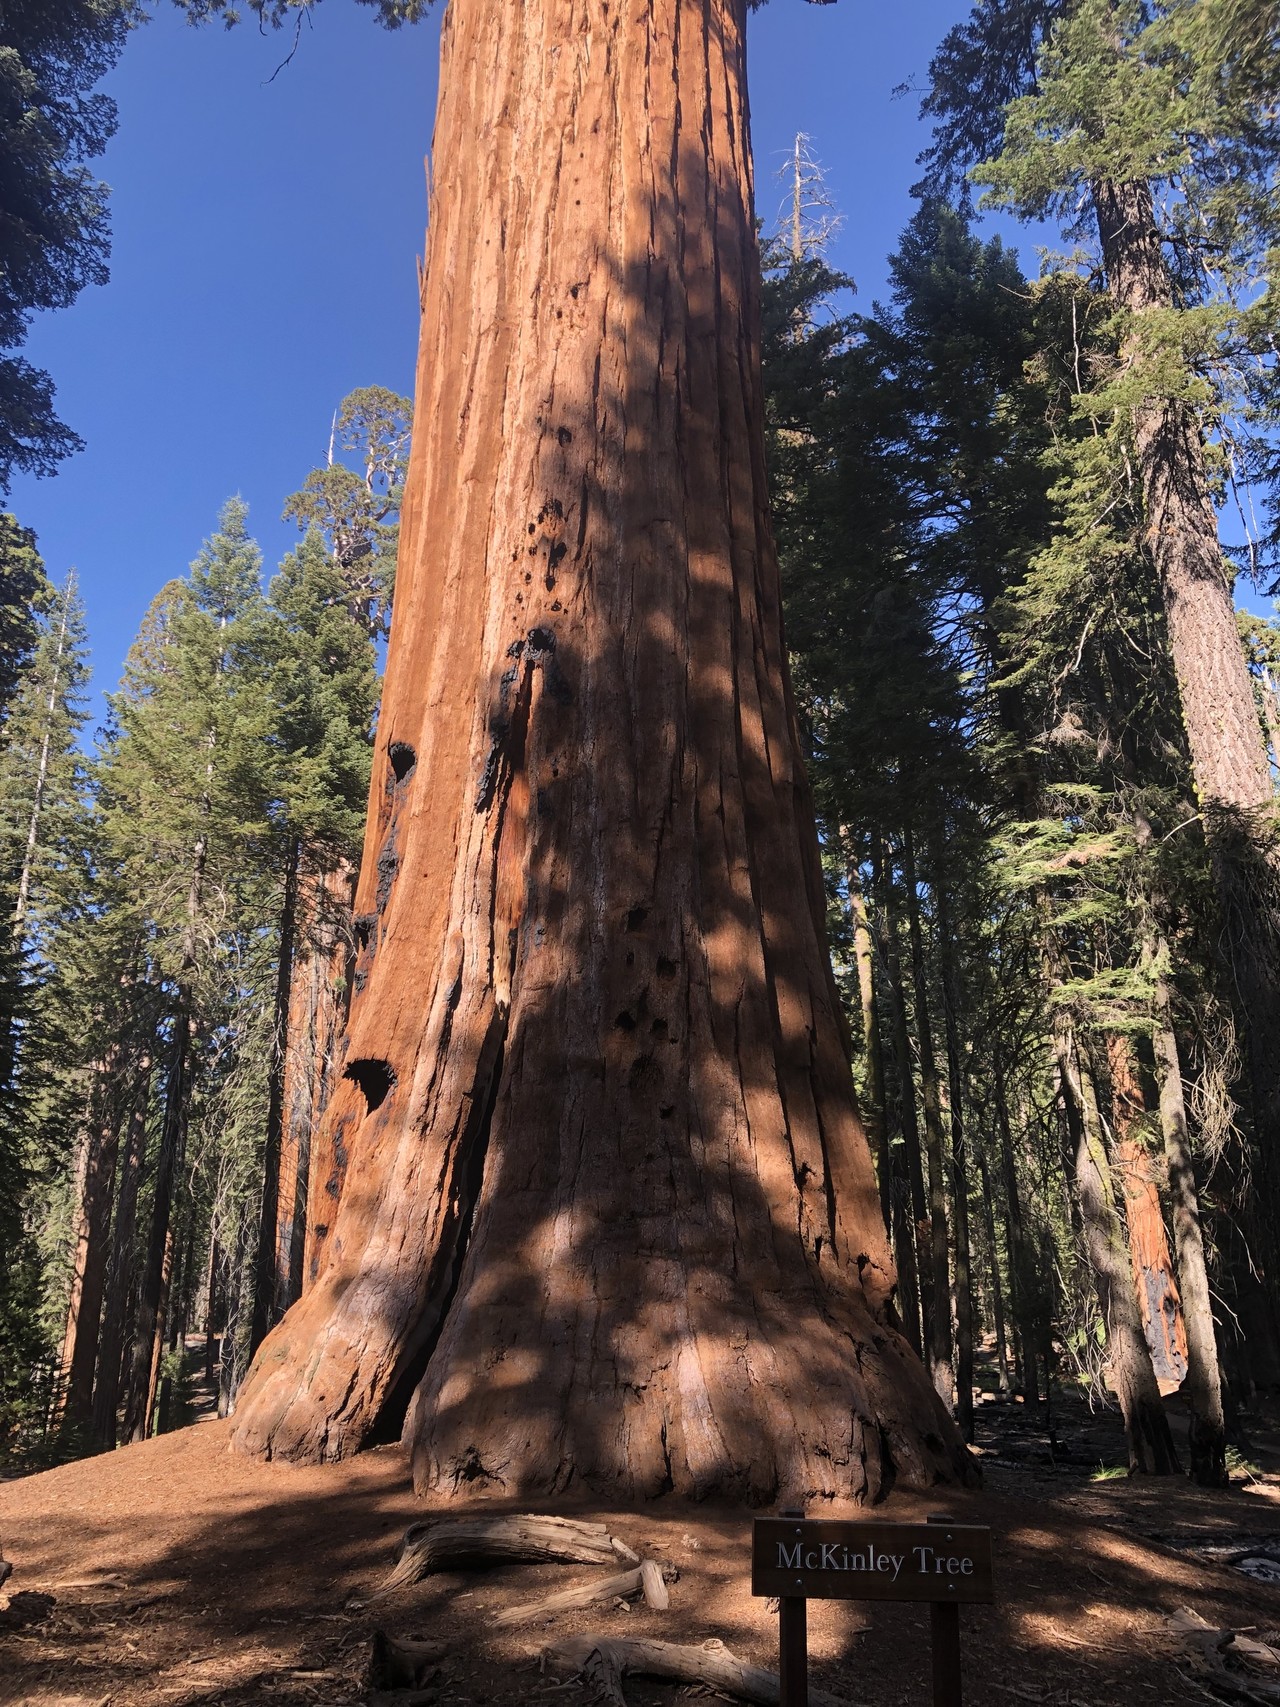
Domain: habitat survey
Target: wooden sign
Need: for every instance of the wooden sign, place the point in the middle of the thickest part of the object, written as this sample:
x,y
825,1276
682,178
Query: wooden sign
x,y
818,1560
947,1564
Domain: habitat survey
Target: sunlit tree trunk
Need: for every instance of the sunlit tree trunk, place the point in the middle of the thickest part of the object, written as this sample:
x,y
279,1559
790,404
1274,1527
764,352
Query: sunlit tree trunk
x,y
1229,760
1146,1427
938,1348
607,1215
92,1226
1207,1443
1149,1254
320,996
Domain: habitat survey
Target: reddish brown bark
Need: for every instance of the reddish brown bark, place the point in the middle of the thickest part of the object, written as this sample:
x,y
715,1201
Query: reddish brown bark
x,y
1129,1370
1149,1255
111,1348
95,1182
607,1213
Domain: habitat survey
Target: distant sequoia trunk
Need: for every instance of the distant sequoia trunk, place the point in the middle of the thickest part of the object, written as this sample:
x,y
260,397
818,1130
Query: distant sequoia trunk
x,y
604,1209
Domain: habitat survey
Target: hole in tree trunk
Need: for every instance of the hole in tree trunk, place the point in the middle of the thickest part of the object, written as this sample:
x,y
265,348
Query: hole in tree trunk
x,y
452,1250
402,758
375,1079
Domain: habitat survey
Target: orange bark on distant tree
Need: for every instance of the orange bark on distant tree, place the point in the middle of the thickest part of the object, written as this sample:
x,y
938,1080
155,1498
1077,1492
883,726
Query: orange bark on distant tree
x,y
605,1211
1136,1173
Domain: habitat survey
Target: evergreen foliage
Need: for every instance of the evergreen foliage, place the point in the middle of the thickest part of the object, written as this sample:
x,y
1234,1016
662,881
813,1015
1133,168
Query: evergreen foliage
x,y
52,53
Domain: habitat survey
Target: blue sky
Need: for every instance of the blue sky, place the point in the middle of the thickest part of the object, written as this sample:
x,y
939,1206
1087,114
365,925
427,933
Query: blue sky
x,y
264,260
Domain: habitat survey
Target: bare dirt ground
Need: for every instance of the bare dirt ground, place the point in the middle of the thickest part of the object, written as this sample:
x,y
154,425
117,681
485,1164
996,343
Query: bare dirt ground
x,y
182,1575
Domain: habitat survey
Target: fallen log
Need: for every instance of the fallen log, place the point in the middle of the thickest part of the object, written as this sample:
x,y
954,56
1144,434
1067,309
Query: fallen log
x,y
1210,1651
621,1587
654,1585
603,1662
444,1542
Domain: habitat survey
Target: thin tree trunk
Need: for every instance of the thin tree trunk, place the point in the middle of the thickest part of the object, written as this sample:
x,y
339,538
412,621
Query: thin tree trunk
x,y
997,1287
1146,1426
1232,774
873,1111
210,1308
79,1174
319,1005
149,1325
1208,1434
1153,1274
609,1215
908,1185
93,1227
111,1346
951,1002
1022,1279
266,1283
939,1357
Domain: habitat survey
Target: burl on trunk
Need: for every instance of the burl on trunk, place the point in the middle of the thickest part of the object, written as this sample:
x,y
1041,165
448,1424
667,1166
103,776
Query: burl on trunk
x,y
605,1211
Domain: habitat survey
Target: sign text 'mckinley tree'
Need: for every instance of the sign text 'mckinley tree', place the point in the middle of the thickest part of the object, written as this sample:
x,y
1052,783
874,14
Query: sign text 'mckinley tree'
x,y
602,1208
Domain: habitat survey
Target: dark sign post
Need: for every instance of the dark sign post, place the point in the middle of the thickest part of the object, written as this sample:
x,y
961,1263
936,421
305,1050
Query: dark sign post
x,y
947,1564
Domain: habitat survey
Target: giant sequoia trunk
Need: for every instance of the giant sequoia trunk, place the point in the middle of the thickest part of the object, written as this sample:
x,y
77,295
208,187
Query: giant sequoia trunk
x,y
605,1212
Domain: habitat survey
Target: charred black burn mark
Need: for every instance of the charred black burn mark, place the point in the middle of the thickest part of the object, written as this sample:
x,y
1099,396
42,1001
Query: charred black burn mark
x,y
402,759
624,1022
546,803
658,1028
559,551
375,1079
666,968
363,927
542,652
489,775
508,717
553,509
666,1110
636,918
564,435
388,871
643,1076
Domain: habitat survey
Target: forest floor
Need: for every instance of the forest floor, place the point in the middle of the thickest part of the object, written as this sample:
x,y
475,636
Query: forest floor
x,y
176,1574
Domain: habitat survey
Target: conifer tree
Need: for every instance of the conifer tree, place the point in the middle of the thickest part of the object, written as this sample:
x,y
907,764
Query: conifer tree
x,y
317,654
186,760
1106,104
54,211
